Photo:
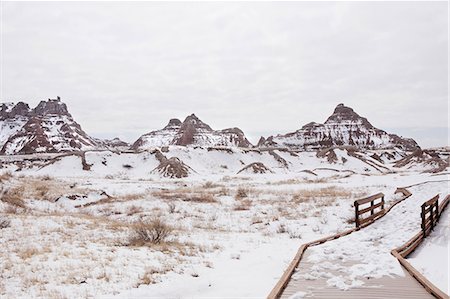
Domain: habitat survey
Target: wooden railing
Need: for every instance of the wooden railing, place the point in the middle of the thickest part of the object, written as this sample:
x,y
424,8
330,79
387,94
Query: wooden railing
x,y
406,249
430,215
376,202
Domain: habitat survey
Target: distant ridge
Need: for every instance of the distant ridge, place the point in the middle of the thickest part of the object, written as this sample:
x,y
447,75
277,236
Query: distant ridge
x,y
192,132
343,128
49,127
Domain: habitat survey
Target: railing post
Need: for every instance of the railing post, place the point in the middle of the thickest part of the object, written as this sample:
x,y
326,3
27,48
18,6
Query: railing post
x,y
437,211
371,205
423,220
356,214
382,200
431,217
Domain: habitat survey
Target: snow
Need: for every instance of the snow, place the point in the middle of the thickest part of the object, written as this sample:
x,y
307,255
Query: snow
x,y
229,247
10,127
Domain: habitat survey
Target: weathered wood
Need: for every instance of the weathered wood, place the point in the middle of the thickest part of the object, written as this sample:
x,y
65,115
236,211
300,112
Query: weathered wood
x,y
411,247
279,287
396,287
370,218
369,199
404,191
428,285
430,201
429,214
406,249
371,208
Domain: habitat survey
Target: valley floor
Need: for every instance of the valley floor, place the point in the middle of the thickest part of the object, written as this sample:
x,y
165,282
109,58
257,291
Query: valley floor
x,y
72,236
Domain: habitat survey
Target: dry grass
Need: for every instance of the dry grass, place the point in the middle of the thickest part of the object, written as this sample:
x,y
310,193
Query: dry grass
x,y
110,199
241,193
286,182
42,191
243,205
13,196
172,208
317,181
320,193
133,210
5,176
154,231
210,185
223,192
27,253
191,195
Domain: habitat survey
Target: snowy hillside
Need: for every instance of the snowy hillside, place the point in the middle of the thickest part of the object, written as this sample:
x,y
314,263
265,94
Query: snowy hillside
x,y
200,163
343,127
49,127
192,131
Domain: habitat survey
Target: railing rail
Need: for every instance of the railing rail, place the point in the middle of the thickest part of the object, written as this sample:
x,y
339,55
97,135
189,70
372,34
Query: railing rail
x,y
376,202
406,249
430,215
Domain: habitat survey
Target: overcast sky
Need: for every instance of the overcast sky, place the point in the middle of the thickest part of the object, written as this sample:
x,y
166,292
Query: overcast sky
x,y
125,69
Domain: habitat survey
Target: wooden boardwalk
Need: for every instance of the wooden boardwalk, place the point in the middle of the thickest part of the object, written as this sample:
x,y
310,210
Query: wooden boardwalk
x,y
313,259
398,287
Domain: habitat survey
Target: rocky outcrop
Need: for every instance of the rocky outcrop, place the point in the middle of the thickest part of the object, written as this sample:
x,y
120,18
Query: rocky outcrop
x,y
256,167
115,143
159,138
49,127
192,132
428,160
171,167
343,128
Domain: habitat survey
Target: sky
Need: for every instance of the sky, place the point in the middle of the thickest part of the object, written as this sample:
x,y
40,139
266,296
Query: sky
x,y
126,68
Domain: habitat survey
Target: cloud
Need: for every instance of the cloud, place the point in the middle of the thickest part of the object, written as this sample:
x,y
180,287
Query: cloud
x,y
126,68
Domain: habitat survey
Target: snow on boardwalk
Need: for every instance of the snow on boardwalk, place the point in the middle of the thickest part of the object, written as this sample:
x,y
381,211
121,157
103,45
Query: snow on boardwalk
x,y
360,264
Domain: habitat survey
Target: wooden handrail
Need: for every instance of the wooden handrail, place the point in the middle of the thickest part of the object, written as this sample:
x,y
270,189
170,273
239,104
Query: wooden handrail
x,y
371,199
429,215
402,252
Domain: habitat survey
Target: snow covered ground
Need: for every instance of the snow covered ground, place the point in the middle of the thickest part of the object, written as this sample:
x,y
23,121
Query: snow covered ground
x,y
233,234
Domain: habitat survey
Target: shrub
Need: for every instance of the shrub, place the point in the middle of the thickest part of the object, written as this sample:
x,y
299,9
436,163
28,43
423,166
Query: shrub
x,y
5,176
201,197
209,185
281,229
241,193
4,223
13,196
133,210
42,190
294,234
172,207
46,178
243,205
154,231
